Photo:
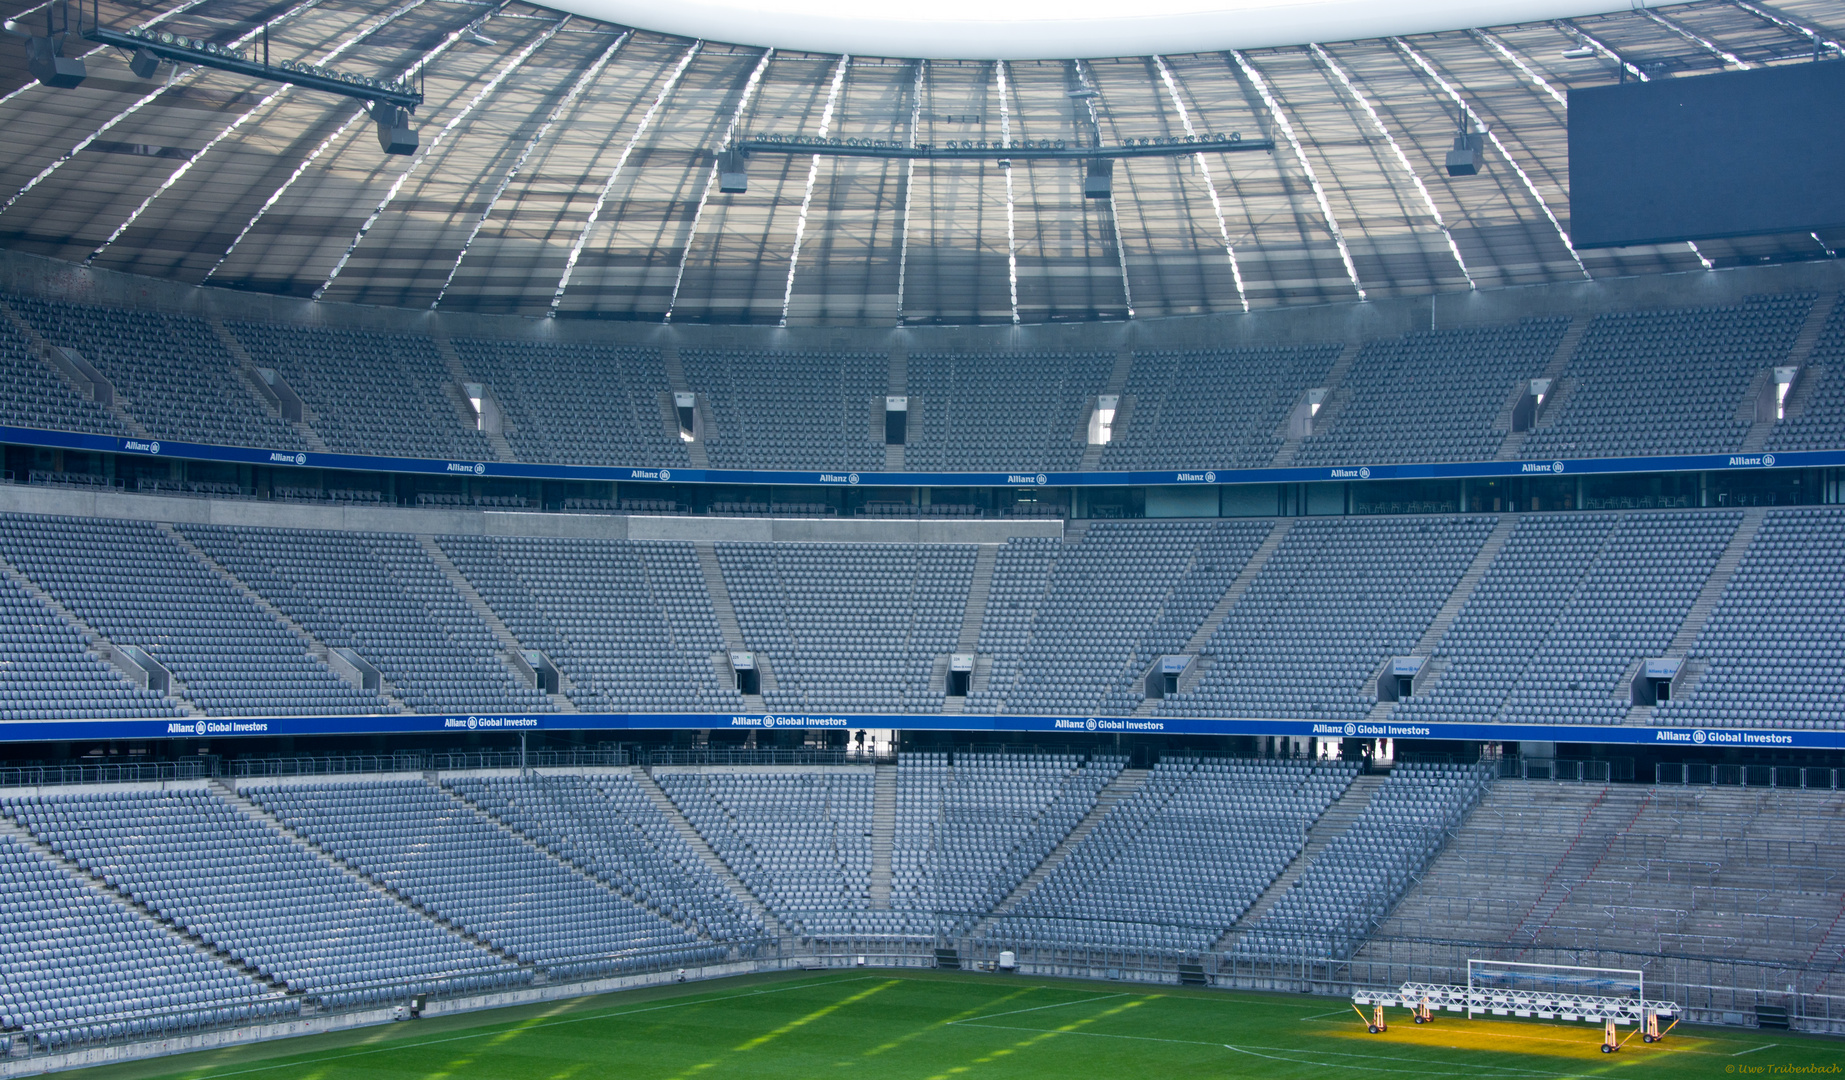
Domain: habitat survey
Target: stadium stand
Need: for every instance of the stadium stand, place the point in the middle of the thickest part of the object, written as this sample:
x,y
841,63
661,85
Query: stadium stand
x,y
1564,611
1358,877
1020,410
603,824
35,396
1177,863
816,412
1335,601
1187,410
629,624
577,404
368,393
257,896
971,826
1432,396
81,967
381,595
179,381
1668,381
1756,669
458,864
1107,608
1677,873
137,587
850,626
46,667
799,838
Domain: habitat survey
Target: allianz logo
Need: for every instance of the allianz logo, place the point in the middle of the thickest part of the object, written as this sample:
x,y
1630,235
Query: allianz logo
x,y
1027,478
143,446
1209,477
1753,459
1554,467
1363,472
464,467
838,478
287,459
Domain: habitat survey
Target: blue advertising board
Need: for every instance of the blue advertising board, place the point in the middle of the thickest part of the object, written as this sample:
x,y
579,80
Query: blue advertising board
x,y
1028,477
212,728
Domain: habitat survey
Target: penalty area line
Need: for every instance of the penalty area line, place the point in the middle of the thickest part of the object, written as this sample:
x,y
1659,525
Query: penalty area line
x,y
1038,1008
206,1072
1753,1049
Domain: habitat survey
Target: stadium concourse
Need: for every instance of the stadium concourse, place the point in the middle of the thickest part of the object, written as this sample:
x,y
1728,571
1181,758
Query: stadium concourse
x,y
671,508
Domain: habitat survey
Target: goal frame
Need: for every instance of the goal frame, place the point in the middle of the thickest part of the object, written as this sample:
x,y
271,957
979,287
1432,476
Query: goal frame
x,y
1638,976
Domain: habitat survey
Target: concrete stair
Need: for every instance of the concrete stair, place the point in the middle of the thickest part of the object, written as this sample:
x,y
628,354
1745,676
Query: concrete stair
x,y
1332,824
464,411
41,350
675,380
1238,586
657,795
883,835
1700,612
126,899
1335,400
515,834
99,644
1495,542
247,374
1117,385
1513,446
256,813
1118,791
727,623
1763,429
512,653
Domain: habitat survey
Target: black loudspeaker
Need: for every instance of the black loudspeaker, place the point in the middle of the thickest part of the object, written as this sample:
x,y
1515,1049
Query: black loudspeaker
x,y
733,174
1099,182
1464,159
394,133
143,64
48,66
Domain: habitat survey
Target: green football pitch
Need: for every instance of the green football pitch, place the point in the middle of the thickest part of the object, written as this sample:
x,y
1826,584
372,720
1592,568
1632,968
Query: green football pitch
x,y
930,1025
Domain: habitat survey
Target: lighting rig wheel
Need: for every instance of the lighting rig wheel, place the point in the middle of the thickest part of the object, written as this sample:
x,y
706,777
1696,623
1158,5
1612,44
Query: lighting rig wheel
x,y
1606,1049
1373,1029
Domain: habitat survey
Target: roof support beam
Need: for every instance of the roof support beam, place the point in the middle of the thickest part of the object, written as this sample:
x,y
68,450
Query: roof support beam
x,y
1300,155
813,175
590,74
909,180
691,233
1210,185
602,196
1012,237
1090,96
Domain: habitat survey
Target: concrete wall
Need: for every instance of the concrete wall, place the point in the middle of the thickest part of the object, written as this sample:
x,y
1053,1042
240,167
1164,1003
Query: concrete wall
x,y
78,502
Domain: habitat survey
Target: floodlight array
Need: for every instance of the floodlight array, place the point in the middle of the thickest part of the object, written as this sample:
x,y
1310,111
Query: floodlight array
x,y
1541,1004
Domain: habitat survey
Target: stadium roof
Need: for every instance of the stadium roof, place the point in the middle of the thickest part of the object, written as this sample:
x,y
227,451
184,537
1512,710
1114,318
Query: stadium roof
x,y
566,167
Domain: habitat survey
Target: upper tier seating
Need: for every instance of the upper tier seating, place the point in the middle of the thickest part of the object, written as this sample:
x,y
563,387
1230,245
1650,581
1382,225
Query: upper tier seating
x,y
178,379
46,667
253,893
1821,383
1357,878
628,622
368,393
1432,396
81,967
850,626
1177,863
1022,411
968,830
1667,382
799,838
137,587
577,404
33,395
1107,607
1335,601
1222,410
1773,652
604,824
381,595
458,864
1564,611
791,410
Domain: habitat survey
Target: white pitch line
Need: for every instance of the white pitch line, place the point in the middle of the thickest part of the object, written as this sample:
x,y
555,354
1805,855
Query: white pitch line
x,y
1037,1008
295,1063
1753,1049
